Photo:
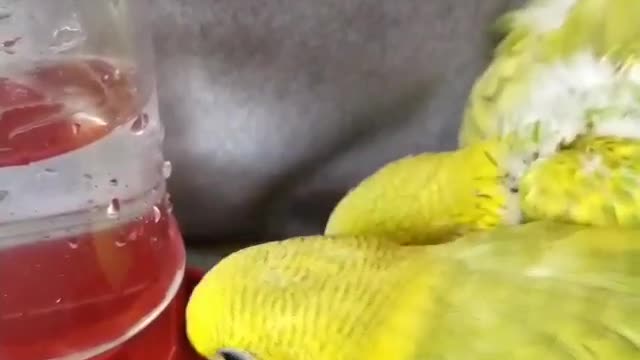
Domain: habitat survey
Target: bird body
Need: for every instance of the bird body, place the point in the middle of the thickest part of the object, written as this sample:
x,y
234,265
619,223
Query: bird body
x,y
542,290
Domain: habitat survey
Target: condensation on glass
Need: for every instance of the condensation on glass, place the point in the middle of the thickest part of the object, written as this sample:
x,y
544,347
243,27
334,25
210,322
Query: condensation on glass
x,y
89,250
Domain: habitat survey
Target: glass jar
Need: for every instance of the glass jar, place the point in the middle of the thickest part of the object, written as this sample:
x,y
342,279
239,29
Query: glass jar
x,y
90,253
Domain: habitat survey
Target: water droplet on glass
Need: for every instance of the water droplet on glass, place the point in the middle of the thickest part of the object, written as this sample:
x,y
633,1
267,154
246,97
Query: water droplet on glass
x,y
88,176
73,243
120,242
7,45
3,194
113,182
133,236
11,42
50,171
168,204
67,38
113,211
140,124
157,214
167,168
59,300
154,239
5,12
75,128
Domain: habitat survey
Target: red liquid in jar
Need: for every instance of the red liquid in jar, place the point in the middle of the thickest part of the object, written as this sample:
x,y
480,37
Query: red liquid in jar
x,y
62,296
55,108
79,294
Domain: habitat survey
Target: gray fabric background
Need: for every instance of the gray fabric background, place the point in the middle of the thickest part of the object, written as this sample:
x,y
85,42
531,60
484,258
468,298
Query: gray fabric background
x,y
274,109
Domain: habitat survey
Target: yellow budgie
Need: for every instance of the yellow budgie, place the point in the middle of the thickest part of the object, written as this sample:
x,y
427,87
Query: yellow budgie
x,y
549,147
433,197
562,97
564,86
541,290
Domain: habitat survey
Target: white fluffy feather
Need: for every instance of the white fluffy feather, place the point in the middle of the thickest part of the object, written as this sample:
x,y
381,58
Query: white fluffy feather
x,y
512,212
561,96
545,15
